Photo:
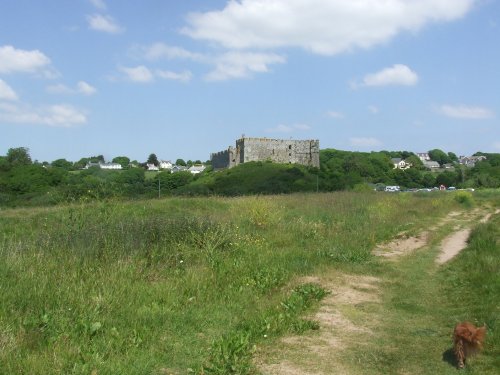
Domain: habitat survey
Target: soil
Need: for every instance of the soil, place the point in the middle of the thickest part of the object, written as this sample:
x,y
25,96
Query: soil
x,y
316,352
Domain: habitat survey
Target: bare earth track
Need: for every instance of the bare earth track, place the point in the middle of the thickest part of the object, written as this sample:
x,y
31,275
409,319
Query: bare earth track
x,y
348,314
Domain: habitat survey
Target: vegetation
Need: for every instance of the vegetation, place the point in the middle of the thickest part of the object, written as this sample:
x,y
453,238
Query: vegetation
x,y
27,183
190,285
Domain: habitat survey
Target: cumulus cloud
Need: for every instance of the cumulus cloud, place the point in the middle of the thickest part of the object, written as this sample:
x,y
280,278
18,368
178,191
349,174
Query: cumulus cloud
x,y
60,115
242,65
104,23
335,114
99,4
365,142
288,128
373,109
466,112
159,50
184,76
139,74
322,27
398,74
6,92
82,87
13,60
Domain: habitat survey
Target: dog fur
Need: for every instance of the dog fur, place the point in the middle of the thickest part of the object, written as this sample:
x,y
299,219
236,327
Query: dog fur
x,y
467,341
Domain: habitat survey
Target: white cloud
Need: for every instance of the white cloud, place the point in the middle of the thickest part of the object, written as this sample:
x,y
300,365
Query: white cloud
x,y
59,89
139,74
158,51
184,76
60,115
466,112
104,23
85,89
288,128
99,4
241,65
365,142
6,92
373,109
398,74
335,114
82,87
496,145
323,27
14,60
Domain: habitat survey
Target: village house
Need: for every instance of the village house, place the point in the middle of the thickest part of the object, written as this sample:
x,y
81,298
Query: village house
x,y
152,167
112,166
430,164
400,163
470,161
424,156
195,169
165,164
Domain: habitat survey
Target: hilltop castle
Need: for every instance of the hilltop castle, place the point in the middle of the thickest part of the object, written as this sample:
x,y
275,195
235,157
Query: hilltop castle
x,y
304,152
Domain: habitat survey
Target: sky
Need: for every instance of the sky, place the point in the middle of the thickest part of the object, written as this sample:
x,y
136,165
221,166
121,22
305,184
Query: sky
x,y
183,79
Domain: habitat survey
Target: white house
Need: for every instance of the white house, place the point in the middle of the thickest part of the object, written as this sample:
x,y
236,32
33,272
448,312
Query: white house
x,y
195,169
424,156
101,165
111,166
152,167
400,163
165,164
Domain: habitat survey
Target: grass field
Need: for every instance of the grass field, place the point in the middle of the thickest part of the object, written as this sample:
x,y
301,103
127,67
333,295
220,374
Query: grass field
x,y
202,285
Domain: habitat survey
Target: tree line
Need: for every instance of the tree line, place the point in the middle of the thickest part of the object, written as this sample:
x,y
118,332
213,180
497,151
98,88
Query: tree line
x,y
26,182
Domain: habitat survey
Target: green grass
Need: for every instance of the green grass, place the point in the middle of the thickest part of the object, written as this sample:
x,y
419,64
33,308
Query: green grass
x,y
178,285
422,302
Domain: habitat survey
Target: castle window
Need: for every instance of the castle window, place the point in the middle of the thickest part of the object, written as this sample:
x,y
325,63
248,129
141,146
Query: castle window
x,y
289,147
290,154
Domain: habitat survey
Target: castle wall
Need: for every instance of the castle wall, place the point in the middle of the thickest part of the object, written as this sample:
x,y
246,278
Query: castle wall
x,y
277,150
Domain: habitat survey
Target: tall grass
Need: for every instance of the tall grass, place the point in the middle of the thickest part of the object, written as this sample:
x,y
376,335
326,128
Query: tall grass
x,y
170,285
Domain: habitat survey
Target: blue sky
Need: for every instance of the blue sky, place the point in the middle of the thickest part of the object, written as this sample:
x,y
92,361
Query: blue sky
x,y
182,79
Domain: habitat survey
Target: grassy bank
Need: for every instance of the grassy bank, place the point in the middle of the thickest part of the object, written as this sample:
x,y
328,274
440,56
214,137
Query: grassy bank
x,y
180,285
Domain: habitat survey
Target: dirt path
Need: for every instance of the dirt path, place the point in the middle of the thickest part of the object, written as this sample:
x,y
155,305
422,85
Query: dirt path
x,y
353,311
452,245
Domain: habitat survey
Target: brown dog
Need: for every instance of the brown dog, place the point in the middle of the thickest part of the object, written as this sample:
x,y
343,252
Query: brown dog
x,y
467,341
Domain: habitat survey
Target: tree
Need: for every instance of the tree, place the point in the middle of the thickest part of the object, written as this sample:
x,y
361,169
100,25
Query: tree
x,y
122,160
18,156
96,159
152,159
180,162
62,163
453,157
415,162
440,156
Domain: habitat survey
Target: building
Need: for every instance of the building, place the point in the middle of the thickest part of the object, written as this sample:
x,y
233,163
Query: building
x,y
305,152
102,165
400,163
470,161
195,169
165,164
424,156
111,166
431,164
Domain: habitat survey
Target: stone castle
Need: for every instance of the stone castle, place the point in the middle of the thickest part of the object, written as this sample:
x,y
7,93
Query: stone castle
x,y
304,152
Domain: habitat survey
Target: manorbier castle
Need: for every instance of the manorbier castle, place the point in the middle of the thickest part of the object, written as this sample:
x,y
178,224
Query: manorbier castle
x,y
305,152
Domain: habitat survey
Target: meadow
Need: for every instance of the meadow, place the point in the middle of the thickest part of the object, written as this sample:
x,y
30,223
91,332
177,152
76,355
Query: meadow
x,y
195,285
